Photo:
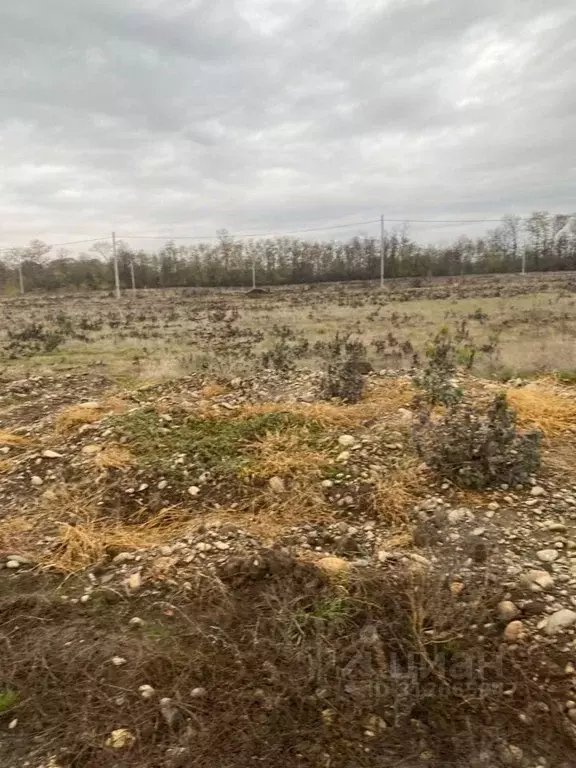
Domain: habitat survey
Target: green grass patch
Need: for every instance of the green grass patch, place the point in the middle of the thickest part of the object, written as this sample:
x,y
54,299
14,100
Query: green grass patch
x,y
206,444
8,700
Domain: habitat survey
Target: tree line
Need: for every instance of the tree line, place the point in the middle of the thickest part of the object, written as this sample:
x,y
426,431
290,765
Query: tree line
x,y
542,242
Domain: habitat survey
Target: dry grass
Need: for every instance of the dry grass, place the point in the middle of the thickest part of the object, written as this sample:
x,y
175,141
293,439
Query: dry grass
x,y
114,457
214,390
551,411
5,466
284,453
397,491
76,415
92,538
14,533
13,440
383,399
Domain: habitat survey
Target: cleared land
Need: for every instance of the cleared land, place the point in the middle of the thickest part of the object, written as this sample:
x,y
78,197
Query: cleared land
x,y
205,562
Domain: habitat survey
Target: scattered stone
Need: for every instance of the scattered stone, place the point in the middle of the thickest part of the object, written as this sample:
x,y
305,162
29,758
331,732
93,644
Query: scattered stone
x,y
13,564
459,515
222,545
277,484
136,621
344,456
118,661
537,581
193,490
36,481
198,693
162,484
507,610
48,454
146,691
537,491
347,441
124,557
547,555
121,738
560,620
20,559
515,632
134,582
327,483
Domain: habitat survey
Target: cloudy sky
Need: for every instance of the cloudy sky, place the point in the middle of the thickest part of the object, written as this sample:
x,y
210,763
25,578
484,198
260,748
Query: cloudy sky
x,y
181,117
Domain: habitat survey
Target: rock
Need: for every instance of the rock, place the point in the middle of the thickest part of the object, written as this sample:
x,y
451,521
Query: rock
x,y
537,491
198,693
456,588
36,481
327,483
572,715
560,620
456,516
222,545
344,456
507,610
13,564
168,710
123,557
547,555
48,454
146,691
347,441
177,757
20,559
333,566
277,484
136,622
537,581
118,661
121,738
134,582
514,632
162,484
382,556
193,490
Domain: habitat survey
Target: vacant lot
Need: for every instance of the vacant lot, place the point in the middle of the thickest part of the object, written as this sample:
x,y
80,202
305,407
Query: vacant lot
x,y
302,527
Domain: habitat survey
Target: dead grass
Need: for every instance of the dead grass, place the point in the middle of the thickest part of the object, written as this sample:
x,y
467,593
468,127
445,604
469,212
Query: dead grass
x,y
550,410
13,440
284,453
214,390
76,415
382,400
5,466
92,538
114,457
397,491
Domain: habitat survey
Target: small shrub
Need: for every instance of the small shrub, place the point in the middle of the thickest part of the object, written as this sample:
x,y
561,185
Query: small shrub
x,y
343,376
435,378
477,450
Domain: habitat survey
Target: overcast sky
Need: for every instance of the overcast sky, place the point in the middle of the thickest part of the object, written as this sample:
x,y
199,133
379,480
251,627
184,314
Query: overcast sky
x,y
186,116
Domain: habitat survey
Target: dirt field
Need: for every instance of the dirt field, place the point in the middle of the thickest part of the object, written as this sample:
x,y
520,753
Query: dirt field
x,y
295,527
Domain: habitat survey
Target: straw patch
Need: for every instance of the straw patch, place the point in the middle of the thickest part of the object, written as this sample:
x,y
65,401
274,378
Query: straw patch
x,y
552,412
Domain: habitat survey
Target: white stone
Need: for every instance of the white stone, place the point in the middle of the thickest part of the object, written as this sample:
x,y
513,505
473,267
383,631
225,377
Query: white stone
x,y
277,484
36,481
547,555
537,491
346,441
146,691
560,620
162,484
193,490
48,454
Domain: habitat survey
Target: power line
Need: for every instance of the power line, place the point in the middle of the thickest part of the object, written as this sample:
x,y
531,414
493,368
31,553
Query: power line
x,y
56,245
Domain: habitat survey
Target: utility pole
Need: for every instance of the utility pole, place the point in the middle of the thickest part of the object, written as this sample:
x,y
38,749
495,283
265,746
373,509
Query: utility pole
x,y
253,271
115,261
382,251
21,277
132,276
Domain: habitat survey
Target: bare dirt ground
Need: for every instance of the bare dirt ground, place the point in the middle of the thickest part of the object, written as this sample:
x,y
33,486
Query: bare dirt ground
x,y
206,562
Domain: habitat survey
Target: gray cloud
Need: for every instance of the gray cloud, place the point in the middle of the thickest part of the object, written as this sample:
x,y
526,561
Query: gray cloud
x,y
183,116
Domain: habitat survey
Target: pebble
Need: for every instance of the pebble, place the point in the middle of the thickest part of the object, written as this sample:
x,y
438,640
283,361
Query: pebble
x,y
48,454
547,555
537,581
121,738
198,693
13,564
134,582
560,620
507,610
277,484
346,441
36,481
193,490
136,621
333,565
162,484
90,450
118,661
146,691
514,632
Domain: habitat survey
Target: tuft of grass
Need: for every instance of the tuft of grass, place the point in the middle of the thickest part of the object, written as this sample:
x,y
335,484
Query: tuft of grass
x,y
13,440
114,457
8,700
75,416
551,411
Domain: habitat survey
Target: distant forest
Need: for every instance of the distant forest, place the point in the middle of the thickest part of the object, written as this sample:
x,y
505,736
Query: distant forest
x,y
284,260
